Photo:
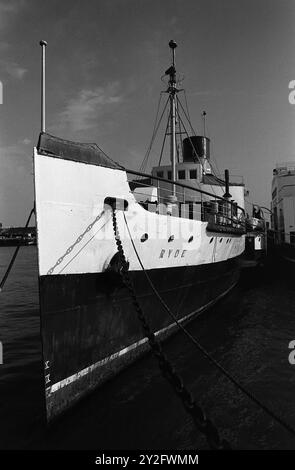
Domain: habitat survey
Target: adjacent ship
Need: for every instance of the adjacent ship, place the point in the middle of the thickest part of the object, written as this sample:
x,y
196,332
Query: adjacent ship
x,y
18,236
181,226
283,210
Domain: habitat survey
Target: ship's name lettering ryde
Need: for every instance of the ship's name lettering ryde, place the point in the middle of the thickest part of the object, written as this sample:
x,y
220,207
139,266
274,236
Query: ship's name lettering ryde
x,y
172,253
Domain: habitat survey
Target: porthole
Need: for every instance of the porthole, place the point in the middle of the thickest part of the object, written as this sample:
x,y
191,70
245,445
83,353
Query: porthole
x,y
144,237
211,240
171,238
190,239
220,240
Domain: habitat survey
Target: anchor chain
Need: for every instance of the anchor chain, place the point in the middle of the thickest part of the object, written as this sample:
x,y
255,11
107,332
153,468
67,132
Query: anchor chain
x,y
79,239
202,422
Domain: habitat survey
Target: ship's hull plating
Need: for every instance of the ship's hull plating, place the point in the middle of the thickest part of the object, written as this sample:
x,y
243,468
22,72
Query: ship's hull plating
x,y
91,330
88,324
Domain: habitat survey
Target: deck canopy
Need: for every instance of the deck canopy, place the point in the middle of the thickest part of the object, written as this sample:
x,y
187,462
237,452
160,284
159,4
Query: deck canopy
x,y
75,151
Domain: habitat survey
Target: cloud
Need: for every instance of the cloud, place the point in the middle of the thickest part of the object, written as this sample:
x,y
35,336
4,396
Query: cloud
x,y
217,92
16,184
7,9
8,6
14,153
84,110
13,69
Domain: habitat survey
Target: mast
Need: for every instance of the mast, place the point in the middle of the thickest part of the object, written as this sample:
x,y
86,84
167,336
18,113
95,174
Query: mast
x,y
204,123
43,45
172,90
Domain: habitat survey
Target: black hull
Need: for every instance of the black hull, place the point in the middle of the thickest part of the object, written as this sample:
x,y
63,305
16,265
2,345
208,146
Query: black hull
x,y
90,329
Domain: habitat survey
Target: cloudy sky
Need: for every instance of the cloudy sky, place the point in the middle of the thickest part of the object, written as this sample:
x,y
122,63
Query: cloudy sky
x,y
104,63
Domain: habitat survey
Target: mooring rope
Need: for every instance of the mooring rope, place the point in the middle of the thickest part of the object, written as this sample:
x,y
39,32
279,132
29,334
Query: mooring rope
x,y
204,424
213,361
15,254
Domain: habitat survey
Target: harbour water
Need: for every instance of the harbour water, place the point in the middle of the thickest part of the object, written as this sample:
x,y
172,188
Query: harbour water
x,y
248,332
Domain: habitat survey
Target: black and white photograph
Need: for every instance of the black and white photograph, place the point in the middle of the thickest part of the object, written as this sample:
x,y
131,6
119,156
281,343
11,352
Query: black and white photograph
x,y
147,229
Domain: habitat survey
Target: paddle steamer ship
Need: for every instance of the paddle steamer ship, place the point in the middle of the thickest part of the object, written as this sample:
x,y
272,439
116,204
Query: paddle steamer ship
x,y
180,225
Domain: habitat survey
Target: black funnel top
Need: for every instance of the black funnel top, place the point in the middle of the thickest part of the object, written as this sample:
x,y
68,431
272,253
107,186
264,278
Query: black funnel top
x,y
195,147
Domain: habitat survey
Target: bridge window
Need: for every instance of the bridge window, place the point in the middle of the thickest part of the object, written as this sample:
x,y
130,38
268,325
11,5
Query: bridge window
x,y
169,175
160,174
193,174
181,174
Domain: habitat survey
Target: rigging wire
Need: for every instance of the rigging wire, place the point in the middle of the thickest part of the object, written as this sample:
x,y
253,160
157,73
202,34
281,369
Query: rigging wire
x,y
221,183
157,123
193,131
164,141
186,105
212,188
142,166
208,356
155,130
212,157
181,132
187,117
180,122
